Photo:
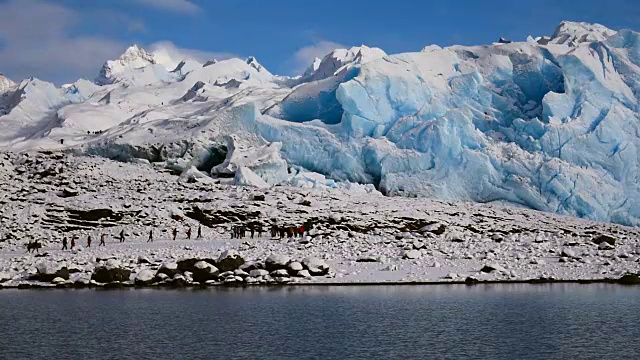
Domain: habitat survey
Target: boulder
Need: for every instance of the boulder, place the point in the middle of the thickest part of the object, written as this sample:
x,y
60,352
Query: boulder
x,y
70,192
169,268
315,266
367,259
303,274
203,272
629,279
108,274
411,254
58,280
145,277
604,238
239,272
188,264
295,266
279,273
258,273
568,253
489,268
143,260
47,271
605,246
229,260
276,262
251,265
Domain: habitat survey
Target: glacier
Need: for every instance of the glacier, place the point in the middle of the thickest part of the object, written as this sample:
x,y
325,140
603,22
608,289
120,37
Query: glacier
x,y
550,123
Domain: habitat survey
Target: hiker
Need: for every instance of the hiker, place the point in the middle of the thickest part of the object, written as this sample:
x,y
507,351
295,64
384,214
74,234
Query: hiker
x,y
73,242
89,241
189,233
290,232
150,236
274,231
259,230
199,231
252,230
281,232
175,234
64,243
301,230
295,231
102,236
233,232
122,236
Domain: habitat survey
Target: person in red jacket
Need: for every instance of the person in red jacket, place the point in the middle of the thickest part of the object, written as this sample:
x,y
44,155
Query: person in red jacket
x,y
301,230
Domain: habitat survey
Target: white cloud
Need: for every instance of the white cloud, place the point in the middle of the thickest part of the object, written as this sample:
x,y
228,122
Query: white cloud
x,y
180,6
168,54
306,55
35,41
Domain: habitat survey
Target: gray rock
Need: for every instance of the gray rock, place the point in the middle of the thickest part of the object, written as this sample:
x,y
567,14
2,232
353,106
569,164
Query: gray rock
x,y
276,262
258,273
411,254
144,278
203,272
170,268
229,260
295,266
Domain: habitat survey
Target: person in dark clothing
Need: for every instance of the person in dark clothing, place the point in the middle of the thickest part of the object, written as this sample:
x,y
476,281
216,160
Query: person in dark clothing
x,y
295,231
122,236
274,231
281,233
73,242
175,234
189,233
150,236
102,237
199,231
64,243
89,241
252,230
259,230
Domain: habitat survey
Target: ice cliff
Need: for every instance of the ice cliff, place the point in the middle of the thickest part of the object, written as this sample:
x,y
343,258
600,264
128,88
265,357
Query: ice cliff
x,y
550,123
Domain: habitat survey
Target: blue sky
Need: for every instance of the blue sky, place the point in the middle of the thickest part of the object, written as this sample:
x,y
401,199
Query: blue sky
x,y
65,39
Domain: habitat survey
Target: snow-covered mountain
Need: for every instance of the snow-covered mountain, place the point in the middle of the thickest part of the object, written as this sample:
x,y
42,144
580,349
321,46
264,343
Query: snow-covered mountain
x,y
551,123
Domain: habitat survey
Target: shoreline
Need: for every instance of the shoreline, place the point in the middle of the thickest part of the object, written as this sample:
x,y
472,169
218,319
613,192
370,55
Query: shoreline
x,y
629,282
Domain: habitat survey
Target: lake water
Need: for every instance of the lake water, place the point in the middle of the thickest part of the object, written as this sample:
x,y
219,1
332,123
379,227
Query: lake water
x,y
394,322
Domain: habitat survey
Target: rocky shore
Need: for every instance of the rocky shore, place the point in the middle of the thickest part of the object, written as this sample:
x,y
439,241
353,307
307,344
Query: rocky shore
x,y
355,237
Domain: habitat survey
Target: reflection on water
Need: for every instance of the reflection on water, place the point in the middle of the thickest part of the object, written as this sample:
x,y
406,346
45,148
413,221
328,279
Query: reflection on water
x,y
559,321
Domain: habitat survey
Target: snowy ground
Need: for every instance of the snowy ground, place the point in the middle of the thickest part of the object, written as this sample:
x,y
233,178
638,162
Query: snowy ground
x,y
363,238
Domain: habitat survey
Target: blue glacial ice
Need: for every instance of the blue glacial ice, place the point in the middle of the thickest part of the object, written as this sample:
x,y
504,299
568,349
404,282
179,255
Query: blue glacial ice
x,y
554,128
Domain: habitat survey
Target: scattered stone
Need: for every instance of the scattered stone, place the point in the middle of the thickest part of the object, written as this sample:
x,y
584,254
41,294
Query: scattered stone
x,y
258,273
316,266
145,278
411,254
605,246
304,274
629,279
604,238
203,272
489,268
229,260
107,274
276,262
295,266
169,268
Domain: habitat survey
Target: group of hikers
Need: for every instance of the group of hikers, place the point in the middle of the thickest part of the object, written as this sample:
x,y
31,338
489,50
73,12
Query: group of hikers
x,y
240,231
237,232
